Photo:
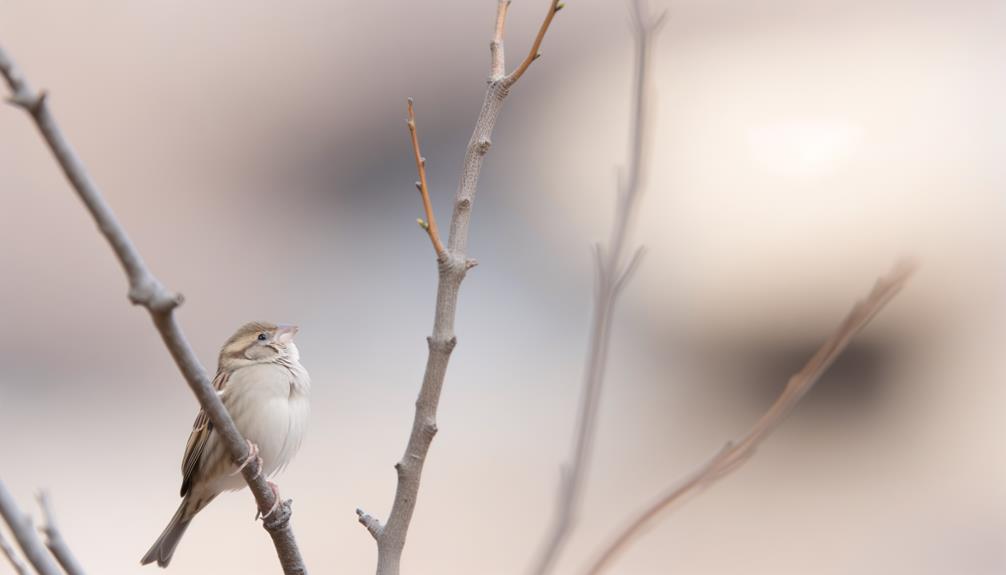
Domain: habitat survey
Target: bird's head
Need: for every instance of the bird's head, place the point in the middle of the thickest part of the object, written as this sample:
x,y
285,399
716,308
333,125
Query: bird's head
x,y
259,342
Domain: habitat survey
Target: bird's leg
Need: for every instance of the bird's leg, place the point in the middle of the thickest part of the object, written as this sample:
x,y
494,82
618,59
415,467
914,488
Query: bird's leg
x,y
275,504
252,456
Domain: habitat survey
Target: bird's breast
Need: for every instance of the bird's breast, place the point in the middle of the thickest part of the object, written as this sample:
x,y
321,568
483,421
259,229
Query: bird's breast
x,y
268,410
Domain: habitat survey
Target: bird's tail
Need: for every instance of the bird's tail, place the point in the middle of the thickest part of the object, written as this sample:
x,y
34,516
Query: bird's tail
x,y
162,549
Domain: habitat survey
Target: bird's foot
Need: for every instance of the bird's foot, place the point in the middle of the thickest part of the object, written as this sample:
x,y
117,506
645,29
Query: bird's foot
x,y
276,501
253,455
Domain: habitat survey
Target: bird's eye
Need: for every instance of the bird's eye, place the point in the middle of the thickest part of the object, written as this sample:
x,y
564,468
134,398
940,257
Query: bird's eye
x,y
262,337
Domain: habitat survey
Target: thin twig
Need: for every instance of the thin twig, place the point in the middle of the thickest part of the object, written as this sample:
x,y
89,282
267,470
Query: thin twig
x,y
612,276
533,54
146,290
452,264
736,453
430,225
24,533
498,67
15,560
54,539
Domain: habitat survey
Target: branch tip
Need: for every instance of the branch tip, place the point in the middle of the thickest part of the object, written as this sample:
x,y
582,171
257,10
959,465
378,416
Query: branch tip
x,y
372,524
430,223
534,53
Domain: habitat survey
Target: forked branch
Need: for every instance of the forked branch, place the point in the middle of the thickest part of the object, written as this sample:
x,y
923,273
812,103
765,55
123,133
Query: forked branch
x,y
612,275
452,265
736,453
54,539
146,290
534,53
24,533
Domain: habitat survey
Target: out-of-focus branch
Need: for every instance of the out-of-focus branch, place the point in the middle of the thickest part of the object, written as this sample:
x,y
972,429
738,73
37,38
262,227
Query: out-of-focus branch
x,y
612,275
736,453
430,224
12,557
54,539
146,290
452,263
27,538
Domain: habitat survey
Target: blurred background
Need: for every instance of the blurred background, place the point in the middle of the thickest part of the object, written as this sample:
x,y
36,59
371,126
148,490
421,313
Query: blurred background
x,y
258,155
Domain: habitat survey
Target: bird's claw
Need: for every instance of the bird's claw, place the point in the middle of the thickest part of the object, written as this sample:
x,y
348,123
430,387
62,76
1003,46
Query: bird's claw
x,y
276,502
253,455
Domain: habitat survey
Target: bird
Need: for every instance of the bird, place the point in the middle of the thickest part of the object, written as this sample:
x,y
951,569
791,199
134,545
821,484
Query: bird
x,y
265,389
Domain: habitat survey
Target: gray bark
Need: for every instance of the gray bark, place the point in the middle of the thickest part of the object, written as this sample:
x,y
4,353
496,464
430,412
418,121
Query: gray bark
x,y
24,533
54,539
452,265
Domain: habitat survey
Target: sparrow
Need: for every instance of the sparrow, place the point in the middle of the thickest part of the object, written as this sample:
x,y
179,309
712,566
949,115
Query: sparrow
x,y
265,388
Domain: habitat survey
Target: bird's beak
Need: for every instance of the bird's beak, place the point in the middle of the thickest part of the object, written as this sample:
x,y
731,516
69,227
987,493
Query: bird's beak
x,y
285,333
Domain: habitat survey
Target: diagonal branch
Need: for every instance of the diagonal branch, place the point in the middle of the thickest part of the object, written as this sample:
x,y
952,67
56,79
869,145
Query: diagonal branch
x,y
430,225
54,539
452,265
734,454
25,535
12,557
146,290
534,53
612,276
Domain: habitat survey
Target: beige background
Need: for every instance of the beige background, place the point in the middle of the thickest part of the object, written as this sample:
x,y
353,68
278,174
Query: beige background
x,y
257,153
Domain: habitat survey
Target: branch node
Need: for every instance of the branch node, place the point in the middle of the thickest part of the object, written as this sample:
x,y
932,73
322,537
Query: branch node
x,y
151,294
31,103
534,53
482,146
470,263
430,428
441,345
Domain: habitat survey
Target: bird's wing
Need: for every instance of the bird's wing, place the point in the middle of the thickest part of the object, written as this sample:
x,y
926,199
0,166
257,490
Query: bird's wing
x,y
200,435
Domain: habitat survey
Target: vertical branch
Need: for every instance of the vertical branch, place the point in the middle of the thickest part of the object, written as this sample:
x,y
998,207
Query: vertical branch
x,y
612,275
452,264
734,454
24,533
146,290
430,225
54,539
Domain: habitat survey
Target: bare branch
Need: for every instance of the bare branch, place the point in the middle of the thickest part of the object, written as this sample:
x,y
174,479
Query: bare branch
x,y
630,268
23,531
54,539
431,221
498,68
15,560
735,454
611,279
452,264
534,53
146,290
